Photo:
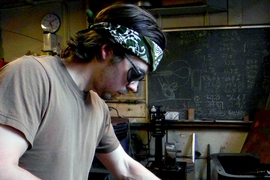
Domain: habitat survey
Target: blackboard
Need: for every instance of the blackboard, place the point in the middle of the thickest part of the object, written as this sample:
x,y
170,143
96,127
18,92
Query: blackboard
x,y
222,73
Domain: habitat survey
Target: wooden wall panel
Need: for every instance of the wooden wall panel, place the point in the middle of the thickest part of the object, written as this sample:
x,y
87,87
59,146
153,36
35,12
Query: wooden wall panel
x,y
127,110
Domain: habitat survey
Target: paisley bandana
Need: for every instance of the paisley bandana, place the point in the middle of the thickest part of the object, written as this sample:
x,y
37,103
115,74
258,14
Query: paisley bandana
x,y
129,39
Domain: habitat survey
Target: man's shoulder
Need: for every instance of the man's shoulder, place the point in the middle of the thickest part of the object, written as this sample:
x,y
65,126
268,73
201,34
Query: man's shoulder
x,y
32,60
95,98
32,65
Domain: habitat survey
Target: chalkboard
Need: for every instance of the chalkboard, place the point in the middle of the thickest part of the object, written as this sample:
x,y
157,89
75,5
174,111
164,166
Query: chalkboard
x,y
222,73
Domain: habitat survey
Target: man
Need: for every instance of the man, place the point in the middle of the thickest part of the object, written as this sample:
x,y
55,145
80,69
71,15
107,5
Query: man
x,y
52,119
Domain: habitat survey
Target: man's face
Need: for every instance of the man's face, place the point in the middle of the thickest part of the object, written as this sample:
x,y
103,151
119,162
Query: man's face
x,y
117,79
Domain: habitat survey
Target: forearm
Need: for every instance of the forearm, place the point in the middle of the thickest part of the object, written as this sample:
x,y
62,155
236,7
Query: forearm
x,y
129,169
138,171
13,172
123,167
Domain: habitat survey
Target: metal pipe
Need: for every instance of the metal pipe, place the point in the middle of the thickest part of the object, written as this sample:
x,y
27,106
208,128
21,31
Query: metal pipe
x,y
193,147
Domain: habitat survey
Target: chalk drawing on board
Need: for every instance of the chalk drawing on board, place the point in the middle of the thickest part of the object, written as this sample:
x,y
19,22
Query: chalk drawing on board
x,y
175,75
218,72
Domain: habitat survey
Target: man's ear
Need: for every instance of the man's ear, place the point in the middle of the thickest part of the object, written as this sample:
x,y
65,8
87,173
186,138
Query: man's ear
x,y
106,51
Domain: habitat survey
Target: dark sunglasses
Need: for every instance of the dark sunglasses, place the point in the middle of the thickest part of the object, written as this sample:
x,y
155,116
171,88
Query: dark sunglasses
x,y
134,73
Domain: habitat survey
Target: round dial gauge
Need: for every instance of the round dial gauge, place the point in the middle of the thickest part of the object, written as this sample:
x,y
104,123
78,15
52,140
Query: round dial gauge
x,y
50,23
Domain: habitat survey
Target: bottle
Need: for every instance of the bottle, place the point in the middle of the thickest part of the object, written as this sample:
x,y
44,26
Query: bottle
x,y
153,112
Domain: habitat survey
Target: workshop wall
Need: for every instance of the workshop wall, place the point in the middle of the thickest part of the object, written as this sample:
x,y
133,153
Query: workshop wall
x,y
20,32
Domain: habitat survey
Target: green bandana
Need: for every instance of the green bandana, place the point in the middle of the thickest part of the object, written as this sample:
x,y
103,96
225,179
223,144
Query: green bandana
x,y
141,46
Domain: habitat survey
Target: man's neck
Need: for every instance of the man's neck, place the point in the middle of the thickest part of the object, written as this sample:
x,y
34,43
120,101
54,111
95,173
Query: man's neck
x,y
80,73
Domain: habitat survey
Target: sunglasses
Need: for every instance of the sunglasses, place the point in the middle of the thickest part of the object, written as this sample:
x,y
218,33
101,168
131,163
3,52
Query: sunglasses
x,y
134,73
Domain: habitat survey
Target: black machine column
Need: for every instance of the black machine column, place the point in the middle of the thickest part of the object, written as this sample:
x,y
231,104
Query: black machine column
x,y
168,169
158,131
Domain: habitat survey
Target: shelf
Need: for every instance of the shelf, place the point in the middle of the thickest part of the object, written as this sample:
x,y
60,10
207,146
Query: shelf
x,y
200,9
226,124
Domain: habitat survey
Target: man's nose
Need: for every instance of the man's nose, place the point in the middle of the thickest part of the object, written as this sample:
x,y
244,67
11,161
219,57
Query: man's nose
x,y
133,86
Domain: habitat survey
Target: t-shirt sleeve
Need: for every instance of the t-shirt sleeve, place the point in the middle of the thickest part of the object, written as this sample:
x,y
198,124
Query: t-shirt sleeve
x,y
109,141
23,95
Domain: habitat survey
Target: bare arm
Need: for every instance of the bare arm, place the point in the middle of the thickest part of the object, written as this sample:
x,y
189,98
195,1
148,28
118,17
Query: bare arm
x,y
122,166
12,147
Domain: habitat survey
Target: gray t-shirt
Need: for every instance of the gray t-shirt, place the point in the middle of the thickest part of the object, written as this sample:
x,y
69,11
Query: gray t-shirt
x,y
63,125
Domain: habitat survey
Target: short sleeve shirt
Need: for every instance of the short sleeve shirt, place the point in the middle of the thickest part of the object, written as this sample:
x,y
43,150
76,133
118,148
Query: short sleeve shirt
x,y
63,125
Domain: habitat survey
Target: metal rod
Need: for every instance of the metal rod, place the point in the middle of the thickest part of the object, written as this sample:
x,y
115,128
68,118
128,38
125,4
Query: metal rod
x,y
208,161
216,28
193,147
